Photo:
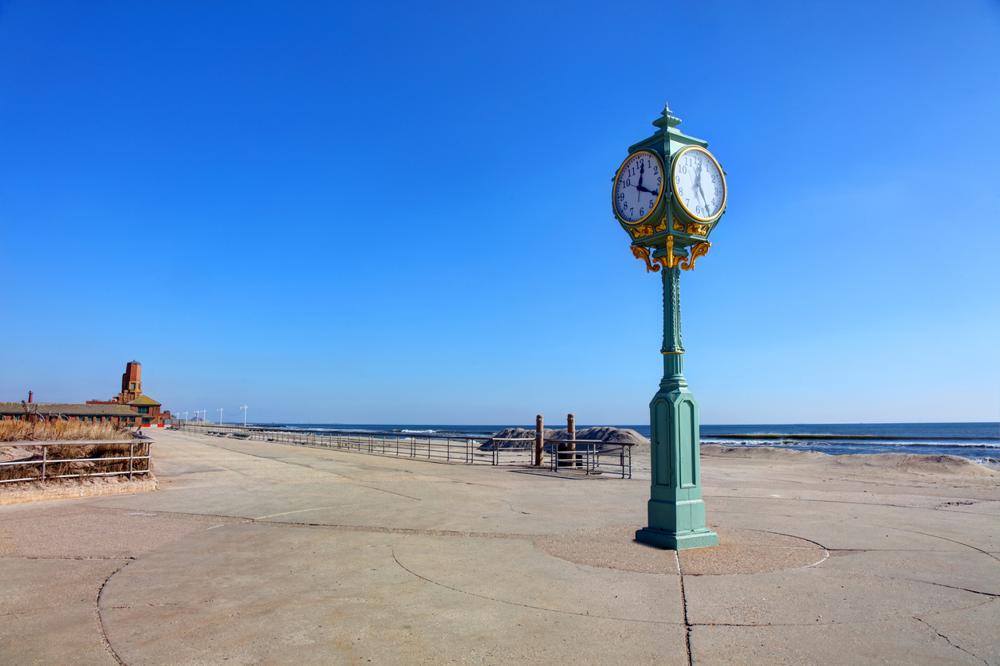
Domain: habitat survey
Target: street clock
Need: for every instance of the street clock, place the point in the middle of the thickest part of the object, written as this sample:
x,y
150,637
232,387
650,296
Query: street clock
x,y
668,195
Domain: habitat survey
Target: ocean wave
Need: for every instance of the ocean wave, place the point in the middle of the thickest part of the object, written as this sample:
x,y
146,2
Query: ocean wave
x,y
866,438
418,432
887,443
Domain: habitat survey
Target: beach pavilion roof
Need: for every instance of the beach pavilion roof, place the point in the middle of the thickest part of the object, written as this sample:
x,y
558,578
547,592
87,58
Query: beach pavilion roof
x,y
143,400
65,409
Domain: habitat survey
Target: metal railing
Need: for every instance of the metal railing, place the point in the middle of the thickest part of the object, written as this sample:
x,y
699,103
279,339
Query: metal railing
x,y
54,463
590,456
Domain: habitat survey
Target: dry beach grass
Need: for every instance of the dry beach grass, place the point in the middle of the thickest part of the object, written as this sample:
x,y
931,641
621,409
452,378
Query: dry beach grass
x,y
23,433
45,431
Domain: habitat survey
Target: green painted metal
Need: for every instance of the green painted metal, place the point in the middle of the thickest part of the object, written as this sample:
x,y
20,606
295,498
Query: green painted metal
x,y
666,142
676,511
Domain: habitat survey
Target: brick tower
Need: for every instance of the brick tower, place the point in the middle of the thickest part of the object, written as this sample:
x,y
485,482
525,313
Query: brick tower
x,y
131,382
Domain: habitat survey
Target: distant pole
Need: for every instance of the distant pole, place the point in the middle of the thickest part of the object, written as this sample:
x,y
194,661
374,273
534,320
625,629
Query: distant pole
x,y
244,408
220,415
539,439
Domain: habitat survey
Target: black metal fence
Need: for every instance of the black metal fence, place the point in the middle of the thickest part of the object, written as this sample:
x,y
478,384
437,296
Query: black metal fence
x,y
590,457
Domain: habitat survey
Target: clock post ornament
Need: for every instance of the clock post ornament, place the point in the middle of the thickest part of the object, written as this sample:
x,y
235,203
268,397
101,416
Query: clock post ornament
x,y
668,195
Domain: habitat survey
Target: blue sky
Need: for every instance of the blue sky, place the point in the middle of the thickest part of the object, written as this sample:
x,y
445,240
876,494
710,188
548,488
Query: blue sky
x,y
391,213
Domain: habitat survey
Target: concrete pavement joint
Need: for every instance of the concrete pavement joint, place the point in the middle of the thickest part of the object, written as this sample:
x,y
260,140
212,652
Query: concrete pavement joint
x,y
944,538
350,528
100,620
78,558
522,605
830,501
684,605
950,587
315,469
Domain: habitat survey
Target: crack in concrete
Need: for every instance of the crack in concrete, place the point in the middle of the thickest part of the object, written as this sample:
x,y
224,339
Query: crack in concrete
x,y
950,642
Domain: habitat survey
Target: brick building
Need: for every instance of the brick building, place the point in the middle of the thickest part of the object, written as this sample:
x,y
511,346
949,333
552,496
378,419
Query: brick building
x,y
131,395
117,415
130,408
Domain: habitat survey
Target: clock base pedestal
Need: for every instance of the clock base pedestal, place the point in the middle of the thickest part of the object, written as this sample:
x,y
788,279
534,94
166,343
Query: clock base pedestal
x,y
702,538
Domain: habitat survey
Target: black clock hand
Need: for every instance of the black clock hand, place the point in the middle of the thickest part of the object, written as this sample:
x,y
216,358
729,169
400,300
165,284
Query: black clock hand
x,y
642,170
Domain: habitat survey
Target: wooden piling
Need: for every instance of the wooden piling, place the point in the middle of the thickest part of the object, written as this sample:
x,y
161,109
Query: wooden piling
x,y
539,439
571,444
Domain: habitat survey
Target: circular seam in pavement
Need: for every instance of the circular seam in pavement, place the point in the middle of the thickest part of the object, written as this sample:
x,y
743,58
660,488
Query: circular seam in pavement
x,y
741,551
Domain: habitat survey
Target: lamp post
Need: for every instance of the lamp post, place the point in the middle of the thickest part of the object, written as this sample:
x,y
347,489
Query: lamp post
x,y
244,408
668,195
220,415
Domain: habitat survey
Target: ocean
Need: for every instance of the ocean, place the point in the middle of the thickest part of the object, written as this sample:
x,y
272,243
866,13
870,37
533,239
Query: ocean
x,y
978,441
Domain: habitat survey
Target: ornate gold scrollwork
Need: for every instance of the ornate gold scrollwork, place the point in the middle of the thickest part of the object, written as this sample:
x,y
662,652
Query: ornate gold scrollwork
x,y
642,231
669,259
699,250
643,253
696,229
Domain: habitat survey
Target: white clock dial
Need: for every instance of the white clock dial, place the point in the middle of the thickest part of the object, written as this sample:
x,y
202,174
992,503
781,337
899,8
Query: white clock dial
x,y
698,183
638,186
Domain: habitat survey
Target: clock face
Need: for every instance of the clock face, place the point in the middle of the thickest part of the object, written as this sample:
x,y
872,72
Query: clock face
x,y
699,183
638,187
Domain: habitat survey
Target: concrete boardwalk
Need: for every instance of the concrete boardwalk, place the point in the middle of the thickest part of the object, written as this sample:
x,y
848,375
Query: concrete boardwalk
x,y
265,553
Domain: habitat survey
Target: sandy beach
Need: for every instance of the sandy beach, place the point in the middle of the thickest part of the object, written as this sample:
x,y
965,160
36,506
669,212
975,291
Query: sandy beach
x,y
259,552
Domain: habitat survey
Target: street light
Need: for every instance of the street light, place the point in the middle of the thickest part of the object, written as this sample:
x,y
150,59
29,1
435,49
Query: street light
x,y
220,415
244,408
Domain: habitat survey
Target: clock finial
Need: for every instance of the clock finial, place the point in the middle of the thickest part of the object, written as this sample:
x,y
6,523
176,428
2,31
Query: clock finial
x,y
667,118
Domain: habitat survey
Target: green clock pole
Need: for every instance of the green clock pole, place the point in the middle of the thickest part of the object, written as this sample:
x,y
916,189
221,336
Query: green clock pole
x,y
653,196
676,510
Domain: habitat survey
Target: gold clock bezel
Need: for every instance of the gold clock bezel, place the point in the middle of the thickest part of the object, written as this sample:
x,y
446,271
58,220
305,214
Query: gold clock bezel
x,y
614,188
673,184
